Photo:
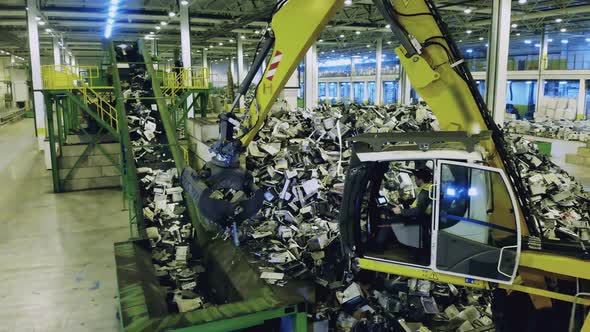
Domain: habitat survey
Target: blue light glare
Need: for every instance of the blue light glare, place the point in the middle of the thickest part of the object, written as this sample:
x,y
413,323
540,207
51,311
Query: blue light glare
x,y
451,191
472,192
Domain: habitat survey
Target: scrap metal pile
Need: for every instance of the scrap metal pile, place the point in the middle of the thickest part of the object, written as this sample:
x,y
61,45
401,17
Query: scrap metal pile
x,y
558,200
168,227
300,160
562,129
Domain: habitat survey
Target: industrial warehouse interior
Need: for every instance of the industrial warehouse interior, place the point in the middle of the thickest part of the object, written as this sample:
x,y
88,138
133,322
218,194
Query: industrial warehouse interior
x,y
295,165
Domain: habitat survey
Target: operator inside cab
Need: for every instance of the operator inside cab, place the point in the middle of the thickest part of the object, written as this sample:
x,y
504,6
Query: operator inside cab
x,y
418,211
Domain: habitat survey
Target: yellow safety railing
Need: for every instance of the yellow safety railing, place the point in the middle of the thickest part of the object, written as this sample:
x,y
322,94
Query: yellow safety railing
x,y
104,108
177,78
80,78
60,77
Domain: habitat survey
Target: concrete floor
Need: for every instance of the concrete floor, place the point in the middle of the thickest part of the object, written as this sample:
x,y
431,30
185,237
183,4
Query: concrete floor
x,y
57,262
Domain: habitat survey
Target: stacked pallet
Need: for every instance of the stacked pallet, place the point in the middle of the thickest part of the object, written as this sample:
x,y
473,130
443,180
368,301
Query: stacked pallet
x,y
582,157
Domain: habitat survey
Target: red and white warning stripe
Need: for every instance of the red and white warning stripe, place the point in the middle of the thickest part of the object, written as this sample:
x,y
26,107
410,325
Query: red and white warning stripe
x,y
273,65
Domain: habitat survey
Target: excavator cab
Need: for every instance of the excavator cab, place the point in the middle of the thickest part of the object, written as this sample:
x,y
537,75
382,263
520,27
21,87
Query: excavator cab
x,y
469,228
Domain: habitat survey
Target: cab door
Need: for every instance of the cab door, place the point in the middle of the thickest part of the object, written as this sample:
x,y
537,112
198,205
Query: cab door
x,y
476,226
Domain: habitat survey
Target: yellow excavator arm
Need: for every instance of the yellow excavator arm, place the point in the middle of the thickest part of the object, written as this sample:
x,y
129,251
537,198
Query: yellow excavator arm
x,y
431,60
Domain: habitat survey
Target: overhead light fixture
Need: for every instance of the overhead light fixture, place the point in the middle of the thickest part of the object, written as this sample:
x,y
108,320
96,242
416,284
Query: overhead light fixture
x,y
518,34
206,49
480,38
487,45
163,23
558,20
341,36
522,2
468,32
528,41
242,37
467,10
550,40
157,27
389,42
184,2
41,23
514,25
357,32
368,45
220,44
460,40
588,40
347,2
563,29
257,32
564,41
38,18
332,51
151,32
321,41
388,26
231,40
537,45
171,14
48,30
469,50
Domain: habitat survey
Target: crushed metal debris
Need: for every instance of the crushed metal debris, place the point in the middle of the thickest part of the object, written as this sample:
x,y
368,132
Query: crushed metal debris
x,y
168,228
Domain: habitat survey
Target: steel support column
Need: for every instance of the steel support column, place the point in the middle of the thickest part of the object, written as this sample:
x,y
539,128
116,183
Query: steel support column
x,y
311,77
185,44
378,59
498,59
56,53
205,58
543,61
240,59
404,89
35,56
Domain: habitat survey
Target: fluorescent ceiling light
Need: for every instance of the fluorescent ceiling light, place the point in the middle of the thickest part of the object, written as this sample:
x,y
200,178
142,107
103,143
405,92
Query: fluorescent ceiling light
x,y
171,14
41,23
467,11
528,41
468,32
163,23
514,25
184,2
558,20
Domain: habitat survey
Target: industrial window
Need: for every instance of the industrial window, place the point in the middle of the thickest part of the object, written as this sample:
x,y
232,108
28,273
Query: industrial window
x,y
371,92
390,91
333,91
481,87
359,92
414,97
523,53
345,91
568,51
322,90
521,98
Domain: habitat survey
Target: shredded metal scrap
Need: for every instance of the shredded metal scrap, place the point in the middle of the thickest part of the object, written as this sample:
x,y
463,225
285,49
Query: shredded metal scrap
x,y
168,227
